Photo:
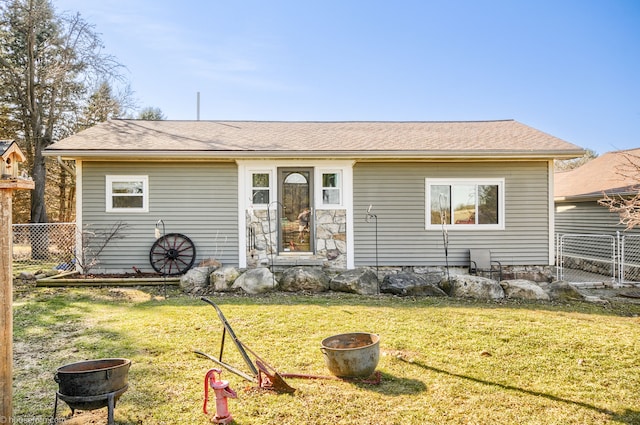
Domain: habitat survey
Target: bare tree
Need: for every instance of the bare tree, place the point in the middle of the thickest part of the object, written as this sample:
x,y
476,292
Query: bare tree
x,y
8,126
47,62
627,204
570,164
95,241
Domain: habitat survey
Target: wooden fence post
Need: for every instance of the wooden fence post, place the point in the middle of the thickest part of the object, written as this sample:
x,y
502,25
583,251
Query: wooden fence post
x,y
6,296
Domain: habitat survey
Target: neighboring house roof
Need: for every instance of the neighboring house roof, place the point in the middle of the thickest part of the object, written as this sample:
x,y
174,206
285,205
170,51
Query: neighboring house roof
x,y
259,139
612,173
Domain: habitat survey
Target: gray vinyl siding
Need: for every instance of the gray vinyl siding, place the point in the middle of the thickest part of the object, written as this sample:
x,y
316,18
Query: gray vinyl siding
x,y
587,218
397,193
198,200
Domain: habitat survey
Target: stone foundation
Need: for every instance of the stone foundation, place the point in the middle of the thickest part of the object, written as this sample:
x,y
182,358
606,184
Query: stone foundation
x,y
531,273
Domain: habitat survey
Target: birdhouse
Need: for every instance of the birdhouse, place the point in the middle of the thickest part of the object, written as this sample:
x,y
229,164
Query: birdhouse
x,y
11,156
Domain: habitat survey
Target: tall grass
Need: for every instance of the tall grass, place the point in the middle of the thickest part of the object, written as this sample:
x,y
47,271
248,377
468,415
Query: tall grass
x,y
443,361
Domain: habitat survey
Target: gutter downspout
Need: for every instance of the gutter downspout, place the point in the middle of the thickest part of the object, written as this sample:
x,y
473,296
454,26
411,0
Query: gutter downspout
x,y
66,167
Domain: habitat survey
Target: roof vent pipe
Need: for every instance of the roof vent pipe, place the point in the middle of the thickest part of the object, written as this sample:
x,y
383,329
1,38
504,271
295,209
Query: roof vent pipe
x,y
198,107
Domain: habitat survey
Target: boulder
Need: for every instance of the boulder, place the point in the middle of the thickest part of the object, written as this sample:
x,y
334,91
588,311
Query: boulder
x,y
195,280
255,281
408,284
473,287
361,281
304,279
523,290
223,278
563,291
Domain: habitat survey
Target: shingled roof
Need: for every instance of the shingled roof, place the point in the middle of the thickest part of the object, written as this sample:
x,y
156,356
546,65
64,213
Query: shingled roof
x,y
233,139
613,173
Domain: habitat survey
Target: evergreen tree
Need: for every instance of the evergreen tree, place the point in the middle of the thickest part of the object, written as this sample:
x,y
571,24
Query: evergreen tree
x,y
47,62
151,114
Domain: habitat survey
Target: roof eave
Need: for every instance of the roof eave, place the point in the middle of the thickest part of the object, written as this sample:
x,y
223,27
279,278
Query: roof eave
x,y
373,155
593,196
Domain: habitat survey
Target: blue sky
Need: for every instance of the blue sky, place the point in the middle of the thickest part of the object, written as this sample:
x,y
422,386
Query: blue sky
x,y
569,68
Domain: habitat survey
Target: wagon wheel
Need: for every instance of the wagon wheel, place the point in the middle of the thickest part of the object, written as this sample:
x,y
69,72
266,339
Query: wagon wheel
x,y
172,254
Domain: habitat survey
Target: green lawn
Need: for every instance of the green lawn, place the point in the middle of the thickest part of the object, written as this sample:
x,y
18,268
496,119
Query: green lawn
x,y
443,361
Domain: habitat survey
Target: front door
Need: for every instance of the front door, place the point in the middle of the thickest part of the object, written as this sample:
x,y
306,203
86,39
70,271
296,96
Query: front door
x,y
295,210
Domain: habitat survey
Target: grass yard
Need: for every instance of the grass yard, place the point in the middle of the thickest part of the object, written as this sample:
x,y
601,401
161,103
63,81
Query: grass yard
x,y
443,361
33,266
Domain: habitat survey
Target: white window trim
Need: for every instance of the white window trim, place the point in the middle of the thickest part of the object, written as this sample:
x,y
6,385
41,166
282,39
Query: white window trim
x,y
320,202
110,179
250,172
500,182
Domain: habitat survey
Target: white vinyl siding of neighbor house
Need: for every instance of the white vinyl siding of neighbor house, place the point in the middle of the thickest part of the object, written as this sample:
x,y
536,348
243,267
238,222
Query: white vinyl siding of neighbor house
x,y
197,199
397,193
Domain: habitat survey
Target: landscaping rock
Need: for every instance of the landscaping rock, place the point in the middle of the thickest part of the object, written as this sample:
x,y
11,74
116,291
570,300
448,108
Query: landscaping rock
x,y
523,290
195,280
222,279
26,276
361,281
596,300
304,279
255,281
563,291
408,284
473,287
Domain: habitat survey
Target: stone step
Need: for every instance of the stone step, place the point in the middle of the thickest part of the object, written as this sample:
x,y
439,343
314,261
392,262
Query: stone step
x,y
284,262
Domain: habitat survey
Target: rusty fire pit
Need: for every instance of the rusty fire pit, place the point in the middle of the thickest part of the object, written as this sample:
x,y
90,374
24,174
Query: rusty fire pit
x,y
351,355
92,384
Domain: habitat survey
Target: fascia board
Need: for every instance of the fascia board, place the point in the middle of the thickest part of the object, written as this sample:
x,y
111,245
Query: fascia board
x,y
363,155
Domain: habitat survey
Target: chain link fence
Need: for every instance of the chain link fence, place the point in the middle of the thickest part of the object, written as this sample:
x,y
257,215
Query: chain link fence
x,y
630,259
49,245
598,258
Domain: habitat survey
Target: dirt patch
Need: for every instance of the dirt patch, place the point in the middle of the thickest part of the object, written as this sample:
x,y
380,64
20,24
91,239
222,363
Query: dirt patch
x,y
97,417
404,355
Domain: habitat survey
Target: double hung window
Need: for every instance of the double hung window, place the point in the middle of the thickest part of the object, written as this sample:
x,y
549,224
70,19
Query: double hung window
x,y
260,188
127,193
331,188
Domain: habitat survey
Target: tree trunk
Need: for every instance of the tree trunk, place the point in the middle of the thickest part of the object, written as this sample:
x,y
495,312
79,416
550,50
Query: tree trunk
x,y
39,174
39,234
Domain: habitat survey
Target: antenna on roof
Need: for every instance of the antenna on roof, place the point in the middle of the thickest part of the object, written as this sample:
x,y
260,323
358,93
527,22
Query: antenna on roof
x,y
198,107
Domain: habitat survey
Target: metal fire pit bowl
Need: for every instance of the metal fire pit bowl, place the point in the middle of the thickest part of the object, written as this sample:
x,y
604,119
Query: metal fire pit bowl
x,y
92,384
351,355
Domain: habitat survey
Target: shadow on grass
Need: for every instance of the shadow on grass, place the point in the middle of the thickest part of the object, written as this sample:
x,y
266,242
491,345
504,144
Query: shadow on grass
x,y
627,417
392,385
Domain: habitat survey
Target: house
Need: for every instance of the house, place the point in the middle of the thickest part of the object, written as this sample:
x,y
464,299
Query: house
x,y
578,191
378,193
590,237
